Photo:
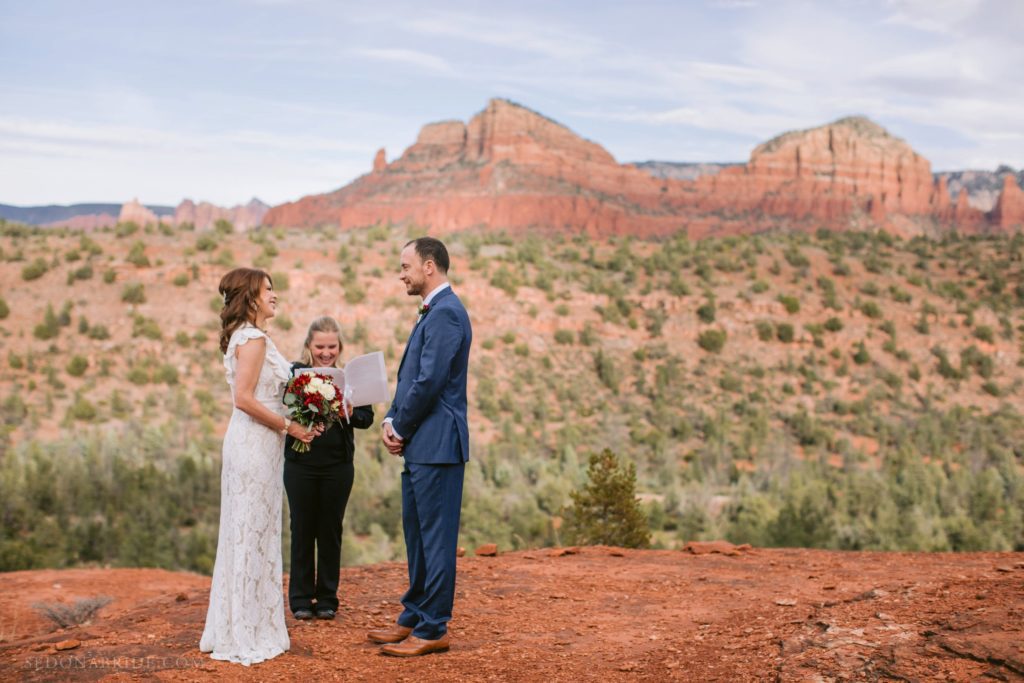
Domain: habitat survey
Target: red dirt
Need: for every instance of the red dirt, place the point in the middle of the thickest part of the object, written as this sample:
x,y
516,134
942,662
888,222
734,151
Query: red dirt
x,y
597,614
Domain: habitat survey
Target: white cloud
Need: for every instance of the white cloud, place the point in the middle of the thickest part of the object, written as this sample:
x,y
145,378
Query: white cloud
x,y
413,58
933,16
537,36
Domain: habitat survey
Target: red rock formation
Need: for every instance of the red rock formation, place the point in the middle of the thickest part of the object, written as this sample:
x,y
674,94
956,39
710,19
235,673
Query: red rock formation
x,y
511,168
1009,210
380,162
134,212
205,215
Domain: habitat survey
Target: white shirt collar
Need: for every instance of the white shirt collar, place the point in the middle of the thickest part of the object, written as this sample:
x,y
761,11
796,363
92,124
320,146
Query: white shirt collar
x,y
430,297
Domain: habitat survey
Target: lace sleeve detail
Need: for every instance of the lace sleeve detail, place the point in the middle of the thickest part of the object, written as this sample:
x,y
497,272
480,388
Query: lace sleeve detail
x,y
238,337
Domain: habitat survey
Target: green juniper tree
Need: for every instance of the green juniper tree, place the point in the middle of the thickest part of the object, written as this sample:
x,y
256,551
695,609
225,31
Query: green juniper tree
x,y
606,511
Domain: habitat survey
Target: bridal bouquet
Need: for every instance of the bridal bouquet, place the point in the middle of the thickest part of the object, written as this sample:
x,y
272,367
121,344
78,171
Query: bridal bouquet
x,y
312,399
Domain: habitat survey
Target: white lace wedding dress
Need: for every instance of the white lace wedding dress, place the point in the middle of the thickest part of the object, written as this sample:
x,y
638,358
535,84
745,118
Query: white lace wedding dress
x,y
245,620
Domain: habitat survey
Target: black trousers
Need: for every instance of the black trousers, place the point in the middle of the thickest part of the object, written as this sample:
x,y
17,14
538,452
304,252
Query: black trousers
x,y
317,497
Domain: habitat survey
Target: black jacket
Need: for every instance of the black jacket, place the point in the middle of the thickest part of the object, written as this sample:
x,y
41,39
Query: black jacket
x,y
337,444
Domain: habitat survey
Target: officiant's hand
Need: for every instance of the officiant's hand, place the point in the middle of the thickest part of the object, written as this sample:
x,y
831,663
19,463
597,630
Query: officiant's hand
x,y
391,442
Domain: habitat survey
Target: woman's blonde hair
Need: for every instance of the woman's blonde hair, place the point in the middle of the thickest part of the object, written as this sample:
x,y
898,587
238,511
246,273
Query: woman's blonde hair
x,y
324,323
240,289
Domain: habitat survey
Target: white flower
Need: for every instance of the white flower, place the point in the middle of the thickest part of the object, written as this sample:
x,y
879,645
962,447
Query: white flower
x,y
327,391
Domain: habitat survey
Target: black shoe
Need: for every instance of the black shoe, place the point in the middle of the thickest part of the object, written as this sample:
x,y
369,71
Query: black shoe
x,y
303,614
325,614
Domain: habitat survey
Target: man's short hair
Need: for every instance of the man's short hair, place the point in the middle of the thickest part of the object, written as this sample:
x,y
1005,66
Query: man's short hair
x,y
432,249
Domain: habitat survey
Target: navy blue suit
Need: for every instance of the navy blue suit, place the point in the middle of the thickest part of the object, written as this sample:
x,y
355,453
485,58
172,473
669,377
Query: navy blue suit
x,y
429,412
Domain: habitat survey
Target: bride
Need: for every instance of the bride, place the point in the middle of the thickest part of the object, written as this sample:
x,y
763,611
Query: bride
x,y
245,620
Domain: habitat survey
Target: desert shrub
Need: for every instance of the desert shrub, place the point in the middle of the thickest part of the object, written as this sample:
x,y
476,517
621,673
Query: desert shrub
x,y
354,294
605,511
790,303
206,242
587,336
505,279
796,258
706,312
134,293
712,340
833,324
871,309
785,332
77,366
861,355
180,280
166,374
900,295
283,322
83,273
99,332
50,327
137,256
607,370
563,336
83,409
5,310
146,327
34,270
974,359
945,368
109,275
985,334
281,281
82,611
126,229
223,226
759,287
765,330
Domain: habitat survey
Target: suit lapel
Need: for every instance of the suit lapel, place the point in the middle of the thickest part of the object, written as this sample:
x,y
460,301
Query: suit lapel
x,y
434,302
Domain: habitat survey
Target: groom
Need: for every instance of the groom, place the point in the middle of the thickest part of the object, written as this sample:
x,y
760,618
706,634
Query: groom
x,y
427,425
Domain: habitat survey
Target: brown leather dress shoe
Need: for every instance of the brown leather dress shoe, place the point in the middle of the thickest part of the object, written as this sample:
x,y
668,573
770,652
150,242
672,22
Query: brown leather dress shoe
x,y
391,634
414,647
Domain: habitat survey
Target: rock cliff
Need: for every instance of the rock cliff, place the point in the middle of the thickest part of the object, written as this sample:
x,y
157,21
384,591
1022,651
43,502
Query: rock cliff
x,y
204,215
134,212
512,168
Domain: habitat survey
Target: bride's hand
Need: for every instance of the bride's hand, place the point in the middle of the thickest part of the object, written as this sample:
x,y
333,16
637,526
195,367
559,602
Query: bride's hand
x,y
302,433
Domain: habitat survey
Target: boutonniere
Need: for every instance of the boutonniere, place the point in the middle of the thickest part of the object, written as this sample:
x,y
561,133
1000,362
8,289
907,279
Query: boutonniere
x,y
423,309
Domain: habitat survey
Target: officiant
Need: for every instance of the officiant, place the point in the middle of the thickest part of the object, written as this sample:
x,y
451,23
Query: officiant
x,y
318,484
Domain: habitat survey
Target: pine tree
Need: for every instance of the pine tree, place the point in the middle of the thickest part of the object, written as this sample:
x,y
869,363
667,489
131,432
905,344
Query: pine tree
x,y
606,511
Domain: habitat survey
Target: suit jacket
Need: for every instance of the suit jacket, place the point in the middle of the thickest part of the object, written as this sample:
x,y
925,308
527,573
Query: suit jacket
x,y
429,409
334,446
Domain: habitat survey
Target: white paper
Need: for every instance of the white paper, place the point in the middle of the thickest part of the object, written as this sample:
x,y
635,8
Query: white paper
x,y
337,375
364,380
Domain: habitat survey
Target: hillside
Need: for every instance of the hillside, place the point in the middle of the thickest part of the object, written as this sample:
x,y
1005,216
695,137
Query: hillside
x,y
599,614
512,168
846,391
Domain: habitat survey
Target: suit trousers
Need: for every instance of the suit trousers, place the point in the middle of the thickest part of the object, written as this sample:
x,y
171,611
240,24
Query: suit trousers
x,y
431,506
317,496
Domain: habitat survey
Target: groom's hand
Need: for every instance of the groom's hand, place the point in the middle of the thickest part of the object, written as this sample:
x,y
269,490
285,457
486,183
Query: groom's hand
x,y
391,442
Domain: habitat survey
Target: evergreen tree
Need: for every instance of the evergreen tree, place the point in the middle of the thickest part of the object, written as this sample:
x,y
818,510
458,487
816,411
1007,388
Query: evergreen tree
x,y
606,511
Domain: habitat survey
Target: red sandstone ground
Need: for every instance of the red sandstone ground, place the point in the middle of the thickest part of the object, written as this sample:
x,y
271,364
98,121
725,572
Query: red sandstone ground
x,y
599,614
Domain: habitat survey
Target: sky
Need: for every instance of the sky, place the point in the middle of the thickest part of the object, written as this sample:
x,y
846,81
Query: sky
x,y
226,100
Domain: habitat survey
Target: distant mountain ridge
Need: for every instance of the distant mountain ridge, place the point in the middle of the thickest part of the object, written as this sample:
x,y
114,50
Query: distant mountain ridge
x,y
983,187
52,213
511,168
90,216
